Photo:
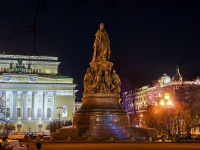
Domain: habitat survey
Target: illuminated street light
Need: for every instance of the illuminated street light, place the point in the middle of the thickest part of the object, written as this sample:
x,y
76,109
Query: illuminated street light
x,y
59,110
166,102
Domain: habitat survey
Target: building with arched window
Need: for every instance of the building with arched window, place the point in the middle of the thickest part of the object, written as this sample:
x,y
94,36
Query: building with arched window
x,y
31,89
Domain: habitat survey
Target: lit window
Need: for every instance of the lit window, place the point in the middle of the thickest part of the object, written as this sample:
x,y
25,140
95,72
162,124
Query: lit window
x,y
29,99
39,112
18,112
7,112
28,112
49,99
48,112
8,99
19,99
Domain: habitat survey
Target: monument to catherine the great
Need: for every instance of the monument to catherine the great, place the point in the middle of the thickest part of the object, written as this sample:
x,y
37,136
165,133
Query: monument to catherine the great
x,y
101,115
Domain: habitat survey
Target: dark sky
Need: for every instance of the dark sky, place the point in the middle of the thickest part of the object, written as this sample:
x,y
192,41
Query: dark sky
x,y
154,35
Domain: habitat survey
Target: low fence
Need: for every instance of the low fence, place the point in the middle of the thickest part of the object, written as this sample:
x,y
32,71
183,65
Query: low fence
x,y
94,139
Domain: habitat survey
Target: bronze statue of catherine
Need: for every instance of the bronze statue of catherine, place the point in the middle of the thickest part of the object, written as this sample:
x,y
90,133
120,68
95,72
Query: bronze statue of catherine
x,y
101,45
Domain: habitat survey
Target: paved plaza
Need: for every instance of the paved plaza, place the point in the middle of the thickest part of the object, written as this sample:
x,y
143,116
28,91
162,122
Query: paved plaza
x,y
115,146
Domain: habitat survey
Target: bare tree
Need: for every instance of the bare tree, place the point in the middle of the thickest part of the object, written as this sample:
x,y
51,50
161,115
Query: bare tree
x,y
30,20
8,127
189,94
53,125
167,120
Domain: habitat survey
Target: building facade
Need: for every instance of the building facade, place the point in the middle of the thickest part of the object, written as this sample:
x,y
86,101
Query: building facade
x,y
151,95
32,90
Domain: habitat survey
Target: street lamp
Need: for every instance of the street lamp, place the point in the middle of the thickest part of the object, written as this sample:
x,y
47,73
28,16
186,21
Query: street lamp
x,y
166,102
59,110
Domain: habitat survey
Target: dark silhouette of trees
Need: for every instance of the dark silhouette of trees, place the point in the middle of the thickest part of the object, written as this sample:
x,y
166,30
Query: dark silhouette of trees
x,y
53,125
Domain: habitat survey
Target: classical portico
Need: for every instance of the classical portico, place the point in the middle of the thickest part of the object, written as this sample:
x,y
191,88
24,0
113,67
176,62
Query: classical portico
x,y
31,89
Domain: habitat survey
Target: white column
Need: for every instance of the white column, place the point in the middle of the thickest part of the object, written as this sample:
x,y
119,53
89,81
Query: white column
x,y
42,104
14,104
24,104
35,104
54,106
45,104
32,102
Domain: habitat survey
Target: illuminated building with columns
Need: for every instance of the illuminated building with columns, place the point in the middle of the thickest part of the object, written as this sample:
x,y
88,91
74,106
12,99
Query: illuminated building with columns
x,y
30,91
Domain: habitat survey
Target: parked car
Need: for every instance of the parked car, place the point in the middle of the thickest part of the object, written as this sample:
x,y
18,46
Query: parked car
x,y
15,144
197,137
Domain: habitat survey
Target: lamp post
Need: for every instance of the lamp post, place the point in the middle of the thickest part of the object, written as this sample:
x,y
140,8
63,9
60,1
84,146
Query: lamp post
x,y
59,110
166,102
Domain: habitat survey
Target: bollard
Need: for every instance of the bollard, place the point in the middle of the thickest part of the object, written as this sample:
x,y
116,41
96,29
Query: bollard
x,y
132,139
51,138
38,146
90,138
38,137
150,139
163,139
29,138
69,138
111,139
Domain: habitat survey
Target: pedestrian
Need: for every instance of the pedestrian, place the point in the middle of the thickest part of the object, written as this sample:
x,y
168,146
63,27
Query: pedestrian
x,y
38,145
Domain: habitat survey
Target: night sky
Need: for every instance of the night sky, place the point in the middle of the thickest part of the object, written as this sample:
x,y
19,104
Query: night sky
x,y
155,36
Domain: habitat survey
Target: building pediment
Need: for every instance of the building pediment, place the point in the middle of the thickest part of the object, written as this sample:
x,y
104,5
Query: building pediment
x,y
33,78
19,77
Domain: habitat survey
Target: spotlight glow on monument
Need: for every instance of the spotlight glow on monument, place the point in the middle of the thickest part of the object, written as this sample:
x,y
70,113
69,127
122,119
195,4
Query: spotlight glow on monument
x,y
101,114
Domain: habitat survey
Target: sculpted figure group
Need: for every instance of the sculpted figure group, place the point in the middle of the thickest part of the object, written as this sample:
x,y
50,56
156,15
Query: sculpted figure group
x,y
20,68
100,78
99,81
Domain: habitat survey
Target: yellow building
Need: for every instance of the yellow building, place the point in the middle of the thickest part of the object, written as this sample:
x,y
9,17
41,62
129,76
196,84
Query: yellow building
x,y
31,90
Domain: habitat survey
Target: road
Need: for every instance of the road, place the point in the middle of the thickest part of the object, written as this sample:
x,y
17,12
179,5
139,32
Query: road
x,y
116,146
